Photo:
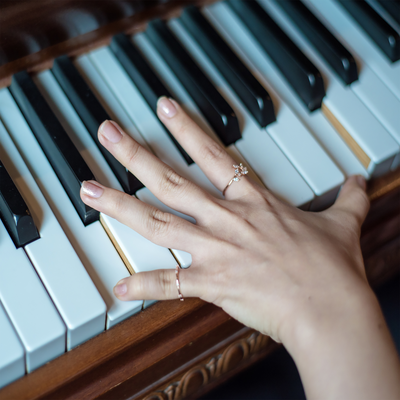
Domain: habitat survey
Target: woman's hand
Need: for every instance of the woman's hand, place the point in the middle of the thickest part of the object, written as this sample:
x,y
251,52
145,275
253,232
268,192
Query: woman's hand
x,y
267,264
295,276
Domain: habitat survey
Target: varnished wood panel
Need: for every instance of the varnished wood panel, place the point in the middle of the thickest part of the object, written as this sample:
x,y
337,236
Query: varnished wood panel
x,y
212,368
30,38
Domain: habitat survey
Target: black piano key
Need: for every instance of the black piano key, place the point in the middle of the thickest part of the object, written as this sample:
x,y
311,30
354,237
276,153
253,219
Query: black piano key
x,y
337,56
143,77
249,90
92,114
65,159
392,7
15,213
215,109
375,26
298,70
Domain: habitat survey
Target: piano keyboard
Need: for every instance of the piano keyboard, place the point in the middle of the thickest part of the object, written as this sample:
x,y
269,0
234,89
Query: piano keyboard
x,y
276,85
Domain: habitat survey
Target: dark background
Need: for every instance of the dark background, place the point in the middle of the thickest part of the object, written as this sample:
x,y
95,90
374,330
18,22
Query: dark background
x,y
276,377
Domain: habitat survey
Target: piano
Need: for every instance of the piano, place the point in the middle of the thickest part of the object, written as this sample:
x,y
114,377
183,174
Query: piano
x,y
305,94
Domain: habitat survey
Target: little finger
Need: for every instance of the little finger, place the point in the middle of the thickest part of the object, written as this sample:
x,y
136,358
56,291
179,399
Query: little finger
x,y
161,285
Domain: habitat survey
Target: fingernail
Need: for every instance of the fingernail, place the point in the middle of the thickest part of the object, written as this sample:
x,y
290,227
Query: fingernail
x,y
166,107
92,189
110,131
361,182
120,289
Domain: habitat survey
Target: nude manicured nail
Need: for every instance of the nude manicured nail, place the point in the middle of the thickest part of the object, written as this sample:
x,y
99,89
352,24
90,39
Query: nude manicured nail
x,y
110,132
361,182
92,189
120,289
166,107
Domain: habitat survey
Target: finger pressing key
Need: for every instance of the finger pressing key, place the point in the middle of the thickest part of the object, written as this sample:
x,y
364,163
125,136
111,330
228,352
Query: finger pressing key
x,y
209,155
161,228
172,189
161,285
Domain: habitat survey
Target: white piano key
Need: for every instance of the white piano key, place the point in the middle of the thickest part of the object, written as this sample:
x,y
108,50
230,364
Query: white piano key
x,y
304,152
370,87
169,79
370,135
110,103
380,100
317,124
12,356
53,257
92,244
89,237
106,97
184,258
140,253
257,147
149,126
181,95
352,36
28,306
135,106
113,107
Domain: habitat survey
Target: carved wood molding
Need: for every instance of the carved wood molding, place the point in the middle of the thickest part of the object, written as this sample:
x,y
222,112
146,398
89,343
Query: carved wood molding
x,y
215,367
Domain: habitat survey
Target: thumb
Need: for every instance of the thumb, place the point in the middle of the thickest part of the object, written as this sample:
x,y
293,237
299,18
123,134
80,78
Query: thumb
x,y
352,200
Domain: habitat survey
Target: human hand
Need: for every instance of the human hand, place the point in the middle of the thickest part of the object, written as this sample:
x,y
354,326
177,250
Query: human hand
x,y
271,266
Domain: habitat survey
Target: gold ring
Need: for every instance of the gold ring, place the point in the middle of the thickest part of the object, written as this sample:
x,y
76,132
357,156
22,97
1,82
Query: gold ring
x,y
178,284
240,170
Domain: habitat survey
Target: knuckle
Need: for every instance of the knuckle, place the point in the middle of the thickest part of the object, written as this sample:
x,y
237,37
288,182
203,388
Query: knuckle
x,y
140,285
164,282
212,151
260,197
158,223
172,182
132,152
120,204
183,127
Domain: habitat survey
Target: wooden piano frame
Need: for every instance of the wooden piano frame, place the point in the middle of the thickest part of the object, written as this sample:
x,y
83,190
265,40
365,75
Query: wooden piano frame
x,y
173,349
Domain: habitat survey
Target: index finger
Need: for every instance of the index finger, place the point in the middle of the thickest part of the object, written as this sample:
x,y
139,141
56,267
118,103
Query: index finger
x,y
168,186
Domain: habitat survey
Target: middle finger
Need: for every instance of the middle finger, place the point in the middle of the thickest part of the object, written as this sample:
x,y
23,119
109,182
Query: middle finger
x,y
209,155
168,186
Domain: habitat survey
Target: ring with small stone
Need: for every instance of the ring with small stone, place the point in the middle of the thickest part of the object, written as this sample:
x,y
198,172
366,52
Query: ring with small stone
x,y
240,170
178,284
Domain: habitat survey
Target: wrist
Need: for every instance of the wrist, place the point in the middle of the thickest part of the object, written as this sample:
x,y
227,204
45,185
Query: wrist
x,y
348,355
329,320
